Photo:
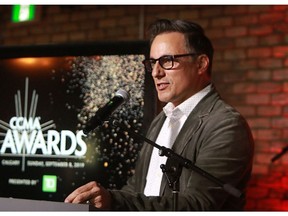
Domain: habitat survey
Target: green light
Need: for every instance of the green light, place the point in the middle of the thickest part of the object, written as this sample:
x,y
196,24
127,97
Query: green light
x,y
49,183
22,13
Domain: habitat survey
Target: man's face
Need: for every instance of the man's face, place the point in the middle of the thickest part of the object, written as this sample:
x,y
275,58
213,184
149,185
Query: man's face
x,y
182,81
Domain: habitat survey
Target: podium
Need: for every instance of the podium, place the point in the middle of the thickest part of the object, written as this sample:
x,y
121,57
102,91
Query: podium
x,y
13,204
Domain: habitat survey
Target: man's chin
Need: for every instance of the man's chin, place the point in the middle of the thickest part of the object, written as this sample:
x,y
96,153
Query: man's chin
x,y
163,98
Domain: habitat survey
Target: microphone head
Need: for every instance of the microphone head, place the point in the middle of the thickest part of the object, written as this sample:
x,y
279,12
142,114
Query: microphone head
x,y
124,94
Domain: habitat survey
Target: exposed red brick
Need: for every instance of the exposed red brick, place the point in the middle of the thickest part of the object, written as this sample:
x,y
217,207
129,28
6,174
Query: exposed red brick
x,y
269,111
236,31
258,99
259,52
280,51
269,87
261,30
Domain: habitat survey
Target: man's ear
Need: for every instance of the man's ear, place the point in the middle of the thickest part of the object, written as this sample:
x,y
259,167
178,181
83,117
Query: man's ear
x,y
203,63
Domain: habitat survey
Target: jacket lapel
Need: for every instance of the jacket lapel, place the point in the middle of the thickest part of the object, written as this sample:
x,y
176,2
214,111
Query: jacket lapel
x,y
191,126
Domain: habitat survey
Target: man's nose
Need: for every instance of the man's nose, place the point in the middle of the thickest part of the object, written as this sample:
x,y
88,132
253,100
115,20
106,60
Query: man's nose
x,y
157,70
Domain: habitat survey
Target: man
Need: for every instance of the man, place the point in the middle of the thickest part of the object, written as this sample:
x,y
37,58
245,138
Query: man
x,y
211,134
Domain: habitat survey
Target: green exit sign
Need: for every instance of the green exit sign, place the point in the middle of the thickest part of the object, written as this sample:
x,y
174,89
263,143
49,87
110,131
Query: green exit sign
x,y
22,13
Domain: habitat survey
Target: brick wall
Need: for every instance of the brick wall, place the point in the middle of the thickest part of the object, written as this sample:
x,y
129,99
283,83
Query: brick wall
x,y
250,68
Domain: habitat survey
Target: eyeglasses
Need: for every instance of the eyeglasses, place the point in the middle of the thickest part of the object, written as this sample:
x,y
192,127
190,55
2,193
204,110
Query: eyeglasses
x,y
166,61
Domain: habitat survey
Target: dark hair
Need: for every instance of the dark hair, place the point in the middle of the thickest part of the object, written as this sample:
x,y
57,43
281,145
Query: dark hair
x,y
194,35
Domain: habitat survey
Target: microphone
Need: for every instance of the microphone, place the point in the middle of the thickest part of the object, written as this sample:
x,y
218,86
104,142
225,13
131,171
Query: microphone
x,y
104,112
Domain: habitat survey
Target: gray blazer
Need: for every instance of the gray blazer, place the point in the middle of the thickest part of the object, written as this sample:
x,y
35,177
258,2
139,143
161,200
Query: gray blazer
x,y
217,139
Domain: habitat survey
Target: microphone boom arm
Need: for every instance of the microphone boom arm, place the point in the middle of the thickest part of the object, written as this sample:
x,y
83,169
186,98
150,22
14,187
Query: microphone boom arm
x,y
170,154
277,156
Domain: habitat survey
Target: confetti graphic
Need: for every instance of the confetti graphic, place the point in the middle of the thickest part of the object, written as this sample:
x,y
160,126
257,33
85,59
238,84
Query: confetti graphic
x,y
98,78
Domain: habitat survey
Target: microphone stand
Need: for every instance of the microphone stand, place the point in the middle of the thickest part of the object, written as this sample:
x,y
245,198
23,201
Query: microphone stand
x,y
174,165
277,156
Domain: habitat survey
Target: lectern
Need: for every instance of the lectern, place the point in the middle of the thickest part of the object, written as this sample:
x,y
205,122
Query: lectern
x,y
12,204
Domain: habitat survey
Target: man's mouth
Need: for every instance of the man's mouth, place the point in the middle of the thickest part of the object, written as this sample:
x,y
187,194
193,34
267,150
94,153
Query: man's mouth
x,y
162,85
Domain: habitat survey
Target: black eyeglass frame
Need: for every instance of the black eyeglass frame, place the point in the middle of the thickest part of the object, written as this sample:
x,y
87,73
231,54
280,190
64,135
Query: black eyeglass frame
x,y
148,65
